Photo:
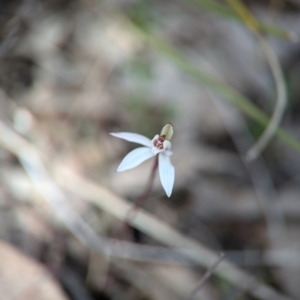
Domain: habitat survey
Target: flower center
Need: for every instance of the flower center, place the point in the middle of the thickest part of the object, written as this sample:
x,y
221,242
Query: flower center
x,y
159,142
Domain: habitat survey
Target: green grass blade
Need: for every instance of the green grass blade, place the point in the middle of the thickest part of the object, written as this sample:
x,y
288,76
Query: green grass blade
x,y
228,12
232,95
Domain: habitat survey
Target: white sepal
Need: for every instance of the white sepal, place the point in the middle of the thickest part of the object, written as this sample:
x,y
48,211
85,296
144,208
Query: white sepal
x,y
166,173
156,151
135,158
167,145
133,137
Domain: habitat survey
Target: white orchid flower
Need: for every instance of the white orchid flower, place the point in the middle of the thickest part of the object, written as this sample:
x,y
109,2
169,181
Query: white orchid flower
x,y
160,145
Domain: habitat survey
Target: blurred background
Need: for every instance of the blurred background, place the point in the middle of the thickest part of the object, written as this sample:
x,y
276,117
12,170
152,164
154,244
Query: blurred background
x,y
71,72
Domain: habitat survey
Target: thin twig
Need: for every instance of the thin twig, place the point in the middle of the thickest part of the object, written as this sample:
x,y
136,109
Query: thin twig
x,y
140,201
131,214
144,196
162,232
259,175
206,276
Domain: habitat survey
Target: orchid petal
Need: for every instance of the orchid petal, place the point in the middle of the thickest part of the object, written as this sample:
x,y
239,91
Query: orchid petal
x,y
166,173
133,137
168,153
167,145
155,137
135,158
156,150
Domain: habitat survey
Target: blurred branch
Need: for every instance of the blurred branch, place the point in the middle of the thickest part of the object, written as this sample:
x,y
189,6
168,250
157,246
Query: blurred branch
x,y
263,185
15,25
228,12
119,207
206,276
276,71
162,232
133,211
30,159
229,93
